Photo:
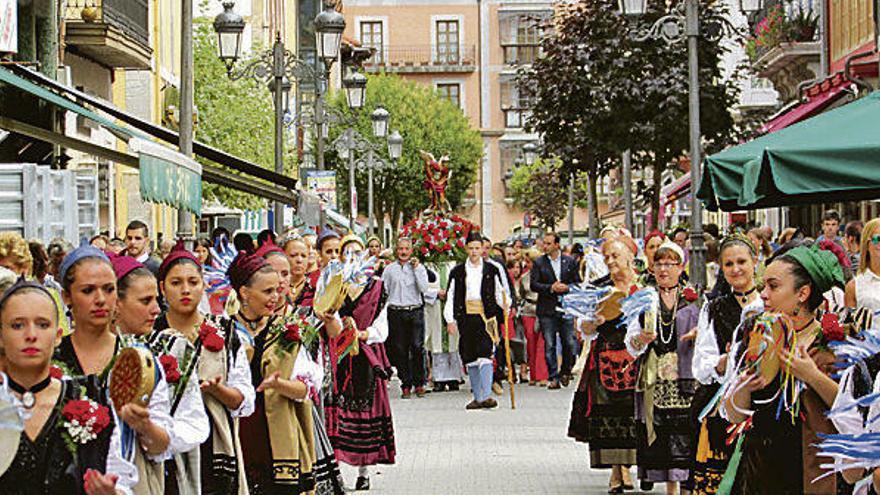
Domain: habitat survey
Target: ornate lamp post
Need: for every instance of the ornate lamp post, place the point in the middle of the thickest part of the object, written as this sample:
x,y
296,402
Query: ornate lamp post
x,y
680,23
277,68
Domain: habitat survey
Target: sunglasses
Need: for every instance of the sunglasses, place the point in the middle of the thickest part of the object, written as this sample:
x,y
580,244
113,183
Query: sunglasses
x,y
875,239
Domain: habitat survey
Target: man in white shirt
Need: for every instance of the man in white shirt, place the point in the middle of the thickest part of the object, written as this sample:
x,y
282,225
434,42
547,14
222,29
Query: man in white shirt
x,y
475,297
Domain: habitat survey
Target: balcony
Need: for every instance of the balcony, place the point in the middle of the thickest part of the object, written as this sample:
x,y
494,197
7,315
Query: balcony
x,y
114,33
413,59
516,118
521,54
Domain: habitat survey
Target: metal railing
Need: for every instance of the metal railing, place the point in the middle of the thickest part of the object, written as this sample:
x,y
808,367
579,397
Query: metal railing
x,y
524,54
130,16
515,118
423,55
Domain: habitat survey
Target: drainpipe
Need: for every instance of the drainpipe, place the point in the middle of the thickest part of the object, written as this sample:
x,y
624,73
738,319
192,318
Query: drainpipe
x,y
823,39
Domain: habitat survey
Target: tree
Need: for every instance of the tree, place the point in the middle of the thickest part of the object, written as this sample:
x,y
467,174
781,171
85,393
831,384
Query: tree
x,y
426,122
539,190
599,92
235,116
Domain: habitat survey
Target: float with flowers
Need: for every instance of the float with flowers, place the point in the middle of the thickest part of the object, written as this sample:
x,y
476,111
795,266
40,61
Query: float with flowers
x,y
438,237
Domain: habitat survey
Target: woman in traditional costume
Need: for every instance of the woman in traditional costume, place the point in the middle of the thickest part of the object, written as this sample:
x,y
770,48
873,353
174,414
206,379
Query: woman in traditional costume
x,y
90,292
358,412
602,408
301,292
782,404
278,438
663,341
328,478
50,455
137,310
528,298
217,357
718,321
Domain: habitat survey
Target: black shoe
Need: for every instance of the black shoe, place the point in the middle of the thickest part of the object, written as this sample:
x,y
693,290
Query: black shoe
x,y
362,484
453,386
565,380
489,403
646,486
439,387
473,405
554,385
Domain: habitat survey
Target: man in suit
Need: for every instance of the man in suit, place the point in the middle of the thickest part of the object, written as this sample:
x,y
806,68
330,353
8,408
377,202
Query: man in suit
x,y
552,274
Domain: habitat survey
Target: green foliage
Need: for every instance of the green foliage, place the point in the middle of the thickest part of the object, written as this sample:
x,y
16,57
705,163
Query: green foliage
x,y
599,92
540,190
234,116
426,122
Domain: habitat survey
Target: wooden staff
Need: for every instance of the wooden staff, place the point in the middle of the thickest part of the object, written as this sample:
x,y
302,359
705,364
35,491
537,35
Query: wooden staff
x,y
507,353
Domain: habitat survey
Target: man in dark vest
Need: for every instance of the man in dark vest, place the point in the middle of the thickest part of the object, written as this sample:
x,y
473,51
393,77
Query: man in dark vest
x,y
474,302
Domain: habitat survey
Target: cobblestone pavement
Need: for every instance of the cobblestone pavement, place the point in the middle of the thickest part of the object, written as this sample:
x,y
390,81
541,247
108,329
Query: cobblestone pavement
x,y
443,449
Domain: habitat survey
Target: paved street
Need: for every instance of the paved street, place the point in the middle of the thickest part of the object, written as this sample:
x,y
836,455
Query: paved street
x,y
443,449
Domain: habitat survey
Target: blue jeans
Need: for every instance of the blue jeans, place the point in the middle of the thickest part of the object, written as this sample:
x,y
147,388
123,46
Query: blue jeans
x,y
481,380
552,326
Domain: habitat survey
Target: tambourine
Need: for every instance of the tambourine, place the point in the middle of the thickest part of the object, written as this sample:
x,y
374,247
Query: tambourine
x,y
332,296
765,340
133,377
609,307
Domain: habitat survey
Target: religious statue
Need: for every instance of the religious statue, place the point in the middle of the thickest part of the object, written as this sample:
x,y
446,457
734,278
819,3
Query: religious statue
x,y
437,180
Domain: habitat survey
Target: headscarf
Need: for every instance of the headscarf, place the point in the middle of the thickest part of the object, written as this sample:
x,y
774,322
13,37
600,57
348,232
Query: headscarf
x,y
822,266
268,247
177,253
22,284
654,233
123,265
85,250
374,238
326,233
740,238
349,239
671,246
243,267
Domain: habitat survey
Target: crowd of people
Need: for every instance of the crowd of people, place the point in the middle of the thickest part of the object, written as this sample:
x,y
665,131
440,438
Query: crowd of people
x,y
261,387
262,394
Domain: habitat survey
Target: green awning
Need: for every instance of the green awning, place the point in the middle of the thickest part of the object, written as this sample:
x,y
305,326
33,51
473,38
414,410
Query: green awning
x,y
834,156
40,92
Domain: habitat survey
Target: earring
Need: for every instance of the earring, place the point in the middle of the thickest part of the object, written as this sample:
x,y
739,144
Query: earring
x,y
69,314
797,310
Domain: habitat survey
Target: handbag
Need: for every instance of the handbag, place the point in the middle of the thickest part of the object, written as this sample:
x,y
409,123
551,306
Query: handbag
x,y
617,370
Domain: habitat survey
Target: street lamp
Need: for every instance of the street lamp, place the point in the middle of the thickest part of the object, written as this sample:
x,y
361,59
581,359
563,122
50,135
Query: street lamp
x,y
395,145
355,90
680,23
632,7
277,68
329,25
229,26
750,6
530,152
380,122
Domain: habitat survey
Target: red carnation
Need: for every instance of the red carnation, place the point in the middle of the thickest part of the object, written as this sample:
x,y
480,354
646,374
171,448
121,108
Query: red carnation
x,y
424,250
460,243
213,342
690,295
836,250
56,372
291,332
831,328
76,410
633,289
171,368
82,411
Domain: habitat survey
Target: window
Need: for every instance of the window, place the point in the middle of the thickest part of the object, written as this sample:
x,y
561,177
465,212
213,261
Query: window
x,y
447,42
516,103
852,26
511,157
521,36
451,92
371,37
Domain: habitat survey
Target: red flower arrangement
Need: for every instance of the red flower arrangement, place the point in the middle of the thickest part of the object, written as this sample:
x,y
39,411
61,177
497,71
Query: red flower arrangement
x,y
689,294
832,330
208,335
292,330
56,372
84,420
438,238
171,368
291,333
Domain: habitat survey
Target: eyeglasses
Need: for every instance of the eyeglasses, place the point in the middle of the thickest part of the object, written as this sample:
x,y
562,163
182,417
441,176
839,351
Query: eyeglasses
x,y
875,239
665,266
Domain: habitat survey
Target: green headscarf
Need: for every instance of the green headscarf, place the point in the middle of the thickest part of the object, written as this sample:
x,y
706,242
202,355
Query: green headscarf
x,y
822,266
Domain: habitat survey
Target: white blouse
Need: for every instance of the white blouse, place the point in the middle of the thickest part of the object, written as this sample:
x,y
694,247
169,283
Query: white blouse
x,y
378,331
159,409
706,352
473,280
239,377
190,421
126,471
308,371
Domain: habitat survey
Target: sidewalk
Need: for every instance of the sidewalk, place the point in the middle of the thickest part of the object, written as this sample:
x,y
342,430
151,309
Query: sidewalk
x,y
443,449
